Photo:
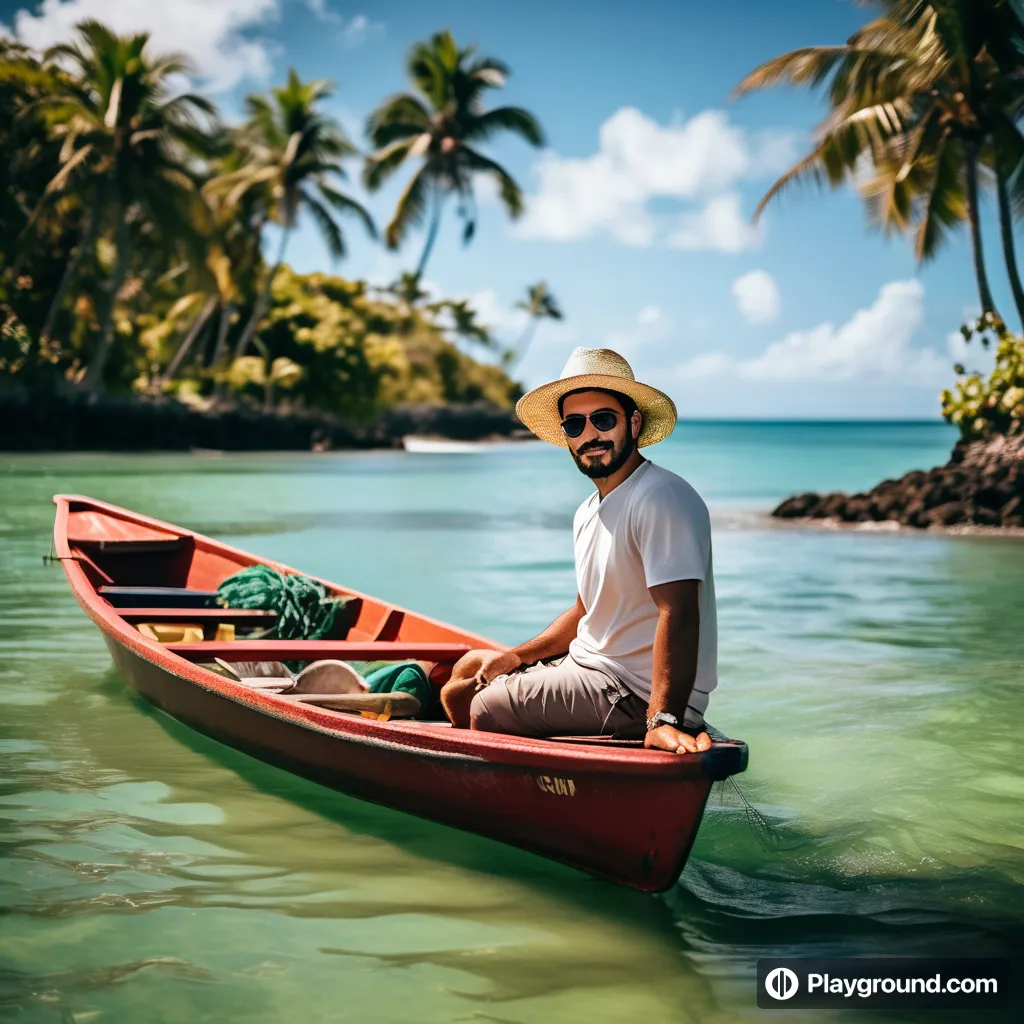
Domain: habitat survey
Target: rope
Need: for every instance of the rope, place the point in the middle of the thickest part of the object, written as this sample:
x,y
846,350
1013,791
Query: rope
x,y
305,610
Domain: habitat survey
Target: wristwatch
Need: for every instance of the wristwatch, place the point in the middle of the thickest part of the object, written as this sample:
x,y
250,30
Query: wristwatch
x,y
661,718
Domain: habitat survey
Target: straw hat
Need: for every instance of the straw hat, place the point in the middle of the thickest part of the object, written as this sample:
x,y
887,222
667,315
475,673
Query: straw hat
x,y
596,368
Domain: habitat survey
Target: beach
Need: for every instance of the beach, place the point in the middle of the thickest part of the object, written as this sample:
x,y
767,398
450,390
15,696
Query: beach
x,y
875,675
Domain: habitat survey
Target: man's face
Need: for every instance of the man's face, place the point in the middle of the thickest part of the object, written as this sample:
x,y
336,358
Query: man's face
x,y
599,453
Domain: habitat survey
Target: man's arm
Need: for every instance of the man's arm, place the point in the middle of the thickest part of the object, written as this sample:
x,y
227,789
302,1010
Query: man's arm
x,y
674,670
473,671
553,641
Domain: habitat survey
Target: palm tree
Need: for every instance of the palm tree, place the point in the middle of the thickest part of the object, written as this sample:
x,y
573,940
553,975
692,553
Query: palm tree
x,y
539,304
293,151
126,141
920,93
441,124
462,321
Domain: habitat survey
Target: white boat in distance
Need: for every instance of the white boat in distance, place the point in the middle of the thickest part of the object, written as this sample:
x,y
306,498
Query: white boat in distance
x,y
447,446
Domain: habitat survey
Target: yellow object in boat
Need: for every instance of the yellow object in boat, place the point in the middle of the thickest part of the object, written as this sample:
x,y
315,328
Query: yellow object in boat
x,y
172,632
184,632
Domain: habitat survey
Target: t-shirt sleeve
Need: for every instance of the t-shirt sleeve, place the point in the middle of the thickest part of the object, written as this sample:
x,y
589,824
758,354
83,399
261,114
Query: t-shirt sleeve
x,y
673,536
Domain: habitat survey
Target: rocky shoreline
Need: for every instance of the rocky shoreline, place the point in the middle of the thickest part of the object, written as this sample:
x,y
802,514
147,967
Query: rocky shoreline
x,y
71,422
982,485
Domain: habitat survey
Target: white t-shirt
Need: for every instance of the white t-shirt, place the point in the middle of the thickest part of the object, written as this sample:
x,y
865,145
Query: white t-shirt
x,y
652,529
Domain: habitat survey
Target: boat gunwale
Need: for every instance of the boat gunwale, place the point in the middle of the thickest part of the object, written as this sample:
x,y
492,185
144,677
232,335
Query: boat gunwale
x,y
420,739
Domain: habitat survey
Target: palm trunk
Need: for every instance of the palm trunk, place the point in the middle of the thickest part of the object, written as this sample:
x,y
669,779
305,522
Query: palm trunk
x,y
522,345
1009,247
435,223
984,292
263,300
94,375
84,243
226,312
193,333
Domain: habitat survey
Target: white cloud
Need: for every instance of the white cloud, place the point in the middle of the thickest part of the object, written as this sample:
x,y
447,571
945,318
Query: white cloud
x,y
719,227
638,160
213,33
323,13
358,29
650,324
504,321
874,344
757,296
354,32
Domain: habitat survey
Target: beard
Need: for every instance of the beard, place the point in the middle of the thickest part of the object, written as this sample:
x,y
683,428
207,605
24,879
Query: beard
x,y
618,458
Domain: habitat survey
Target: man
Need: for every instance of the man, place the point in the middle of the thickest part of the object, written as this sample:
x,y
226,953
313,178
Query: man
x,y
636,655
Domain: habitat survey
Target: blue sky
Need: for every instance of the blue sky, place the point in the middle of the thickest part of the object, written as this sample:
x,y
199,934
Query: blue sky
x,y
638,208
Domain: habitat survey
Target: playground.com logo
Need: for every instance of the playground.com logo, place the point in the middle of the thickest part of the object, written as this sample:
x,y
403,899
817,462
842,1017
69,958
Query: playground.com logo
x,y
884,983
782,983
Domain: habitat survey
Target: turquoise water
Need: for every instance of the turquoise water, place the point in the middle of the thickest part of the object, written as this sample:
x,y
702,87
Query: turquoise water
x,y
147,873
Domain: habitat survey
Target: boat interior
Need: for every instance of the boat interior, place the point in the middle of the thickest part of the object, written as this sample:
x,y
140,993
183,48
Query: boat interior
x,y
164,583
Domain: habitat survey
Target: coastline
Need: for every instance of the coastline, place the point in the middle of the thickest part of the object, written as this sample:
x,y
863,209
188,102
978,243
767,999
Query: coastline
x,y
60,422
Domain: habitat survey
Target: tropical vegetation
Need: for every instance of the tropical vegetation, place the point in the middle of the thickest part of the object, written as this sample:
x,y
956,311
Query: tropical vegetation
x,y
133,224
441,125
979,405
925,108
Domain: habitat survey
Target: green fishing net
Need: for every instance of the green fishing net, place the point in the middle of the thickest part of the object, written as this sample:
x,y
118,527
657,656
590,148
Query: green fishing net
x,y
305,609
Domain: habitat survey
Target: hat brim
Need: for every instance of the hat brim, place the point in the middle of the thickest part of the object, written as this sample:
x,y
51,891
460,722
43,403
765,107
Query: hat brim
x,y
538,409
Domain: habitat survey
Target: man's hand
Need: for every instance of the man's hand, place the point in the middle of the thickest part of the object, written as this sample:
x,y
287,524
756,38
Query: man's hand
x,y
483,666
675,741
470,674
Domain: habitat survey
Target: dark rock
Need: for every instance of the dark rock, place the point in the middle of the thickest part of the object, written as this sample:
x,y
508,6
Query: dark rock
x,y
914,514
983,482
948,514
1014,507
986,517
992,496
798,506
855,509
832,505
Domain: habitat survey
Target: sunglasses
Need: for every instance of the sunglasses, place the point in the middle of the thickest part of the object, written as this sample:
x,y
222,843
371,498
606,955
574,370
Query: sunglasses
x,y
604,420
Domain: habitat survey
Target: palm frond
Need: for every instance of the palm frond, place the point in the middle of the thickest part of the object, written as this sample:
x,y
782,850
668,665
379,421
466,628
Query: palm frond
x,y
345,204
398,117
509,190
328,226
381,165
810,65
410,209
512,119
945,205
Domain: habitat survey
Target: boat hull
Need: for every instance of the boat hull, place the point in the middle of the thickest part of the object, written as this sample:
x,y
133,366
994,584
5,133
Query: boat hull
x,y
634,831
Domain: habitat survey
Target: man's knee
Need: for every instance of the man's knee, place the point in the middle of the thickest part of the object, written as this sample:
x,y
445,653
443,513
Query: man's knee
x,y
490,710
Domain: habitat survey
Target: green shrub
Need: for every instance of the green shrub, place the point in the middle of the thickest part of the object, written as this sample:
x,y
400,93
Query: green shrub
x,y
982,407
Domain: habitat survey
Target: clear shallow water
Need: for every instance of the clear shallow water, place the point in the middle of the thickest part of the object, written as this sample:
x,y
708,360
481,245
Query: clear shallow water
x,y
147,873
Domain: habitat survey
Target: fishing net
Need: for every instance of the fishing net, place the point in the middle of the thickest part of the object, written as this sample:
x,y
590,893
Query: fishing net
x,y
305,610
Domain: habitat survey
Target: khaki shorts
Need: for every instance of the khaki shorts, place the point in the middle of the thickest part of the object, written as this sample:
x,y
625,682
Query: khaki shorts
x,y
562,698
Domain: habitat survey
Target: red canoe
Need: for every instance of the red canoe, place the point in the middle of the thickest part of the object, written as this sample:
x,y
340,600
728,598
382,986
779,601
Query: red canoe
x,y
616,810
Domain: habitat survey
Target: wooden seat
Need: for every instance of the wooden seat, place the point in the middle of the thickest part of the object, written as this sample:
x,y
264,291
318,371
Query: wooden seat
x,y
312,650
253,617
157,597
